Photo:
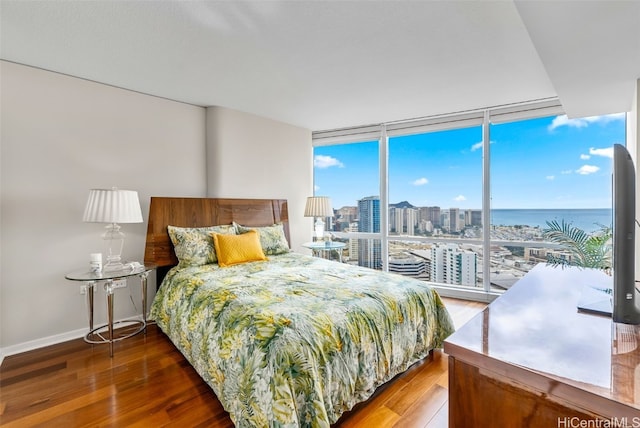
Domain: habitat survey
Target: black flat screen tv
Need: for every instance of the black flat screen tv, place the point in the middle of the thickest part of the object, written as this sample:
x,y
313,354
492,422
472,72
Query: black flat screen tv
x,y
625,296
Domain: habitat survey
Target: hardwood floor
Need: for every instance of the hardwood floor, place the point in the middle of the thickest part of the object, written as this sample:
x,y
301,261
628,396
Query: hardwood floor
x,y
149,383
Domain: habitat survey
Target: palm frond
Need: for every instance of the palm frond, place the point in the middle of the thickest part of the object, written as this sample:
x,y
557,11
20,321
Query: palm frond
x,y
565,233
586,250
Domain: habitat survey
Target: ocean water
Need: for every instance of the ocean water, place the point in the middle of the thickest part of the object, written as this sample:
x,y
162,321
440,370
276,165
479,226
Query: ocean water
x,y
588,220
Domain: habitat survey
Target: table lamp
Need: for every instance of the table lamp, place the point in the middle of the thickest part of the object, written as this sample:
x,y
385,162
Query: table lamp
x,y
113,206
319,207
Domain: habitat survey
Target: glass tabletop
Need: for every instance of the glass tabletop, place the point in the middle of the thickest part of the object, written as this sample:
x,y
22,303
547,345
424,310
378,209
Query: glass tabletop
x,y
85,275
324,245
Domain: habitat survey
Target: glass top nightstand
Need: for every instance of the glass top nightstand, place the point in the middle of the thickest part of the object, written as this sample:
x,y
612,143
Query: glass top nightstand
x,y
325,247
91,279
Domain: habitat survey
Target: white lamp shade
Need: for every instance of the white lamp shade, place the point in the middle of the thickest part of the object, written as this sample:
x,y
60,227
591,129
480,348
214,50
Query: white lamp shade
x,y
112,206
318,206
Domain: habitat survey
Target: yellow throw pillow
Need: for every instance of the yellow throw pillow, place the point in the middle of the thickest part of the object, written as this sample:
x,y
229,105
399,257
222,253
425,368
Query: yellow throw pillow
x,y
235,249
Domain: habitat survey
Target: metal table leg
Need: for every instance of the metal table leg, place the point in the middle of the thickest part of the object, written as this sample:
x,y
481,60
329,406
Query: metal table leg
x,y
108,288
143,279
90,292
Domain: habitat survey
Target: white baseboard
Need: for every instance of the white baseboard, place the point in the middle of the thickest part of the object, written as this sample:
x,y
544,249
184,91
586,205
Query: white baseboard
x,y
41,343
47,341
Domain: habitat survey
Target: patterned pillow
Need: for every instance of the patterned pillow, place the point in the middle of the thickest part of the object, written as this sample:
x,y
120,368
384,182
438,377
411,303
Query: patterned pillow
x,y
272,238
194,245
236,249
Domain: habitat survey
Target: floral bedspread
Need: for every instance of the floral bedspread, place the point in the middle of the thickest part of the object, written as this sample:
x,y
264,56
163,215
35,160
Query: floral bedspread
x,y
297,340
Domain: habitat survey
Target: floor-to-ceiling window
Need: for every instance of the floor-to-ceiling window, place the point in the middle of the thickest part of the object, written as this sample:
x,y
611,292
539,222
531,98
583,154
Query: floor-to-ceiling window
x,y
349,173
462,200
435,205
546,170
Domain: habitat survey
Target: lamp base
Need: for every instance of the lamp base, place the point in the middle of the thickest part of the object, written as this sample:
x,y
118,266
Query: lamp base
x,y
114,241
113,266
319,229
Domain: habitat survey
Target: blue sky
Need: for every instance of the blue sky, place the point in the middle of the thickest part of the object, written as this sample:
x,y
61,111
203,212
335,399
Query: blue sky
x,y
552,162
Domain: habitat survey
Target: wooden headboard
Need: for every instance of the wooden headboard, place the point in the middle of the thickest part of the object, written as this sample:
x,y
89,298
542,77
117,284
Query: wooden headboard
x,y
202,212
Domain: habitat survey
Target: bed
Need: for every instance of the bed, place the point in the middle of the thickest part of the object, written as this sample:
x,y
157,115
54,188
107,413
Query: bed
x,y
292,340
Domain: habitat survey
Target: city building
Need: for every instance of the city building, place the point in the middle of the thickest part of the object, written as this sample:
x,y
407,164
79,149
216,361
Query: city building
x,y
454,220
395,220
473,218
353,242
369,250
344,217
444,220
408,265
403,220
541,255
425,226
451,265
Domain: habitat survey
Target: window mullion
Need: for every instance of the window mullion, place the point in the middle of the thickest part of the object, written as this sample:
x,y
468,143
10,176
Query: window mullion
x,y
486,204
383,148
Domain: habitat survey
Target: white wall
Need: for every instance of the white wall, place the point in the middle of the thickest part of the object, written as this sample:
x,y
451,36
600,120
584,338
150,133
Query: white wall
x,y
633,144
253,157
60,137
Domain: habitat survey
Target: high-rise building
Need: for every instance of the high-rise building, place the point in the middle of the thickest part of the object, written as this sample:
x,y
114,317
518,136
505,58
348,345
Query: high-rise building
x,y
444,219
329,224
403,220
454,220
431,214
369,250
395,220
410,220
476,217
425,226
353,242
451,265
466,268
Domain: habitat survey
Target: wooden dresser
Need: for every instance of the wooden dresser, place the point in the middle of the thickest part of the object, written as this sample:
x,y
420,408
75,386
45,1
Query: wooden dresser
x,y
531,359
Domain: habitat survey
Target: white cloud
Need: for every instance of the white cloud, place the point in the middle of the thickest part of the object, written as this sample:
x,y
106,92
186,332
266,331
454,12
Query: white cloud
x,y
420,181
606,152
583,122
563,120
316,188
478,146
321,161
587,169
551,177
585,157
566,171
460,198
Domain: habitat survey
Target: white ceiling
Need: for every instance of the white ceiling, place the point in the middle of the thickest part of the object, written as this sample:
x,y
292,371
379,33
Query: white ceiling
x,y
330,64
